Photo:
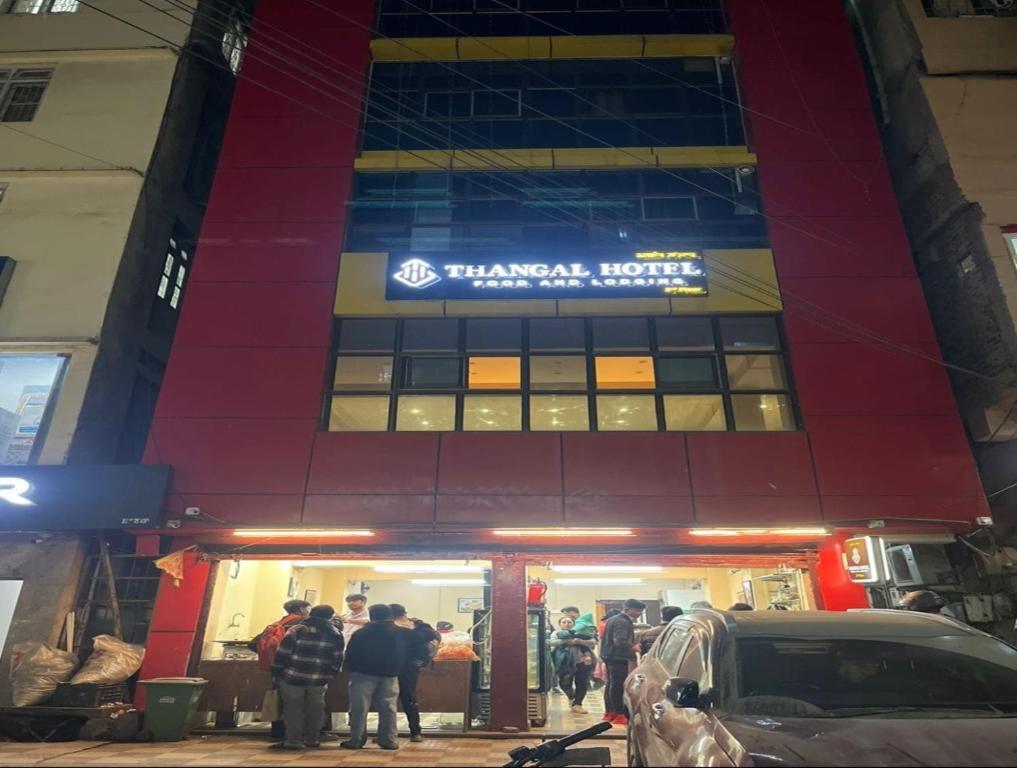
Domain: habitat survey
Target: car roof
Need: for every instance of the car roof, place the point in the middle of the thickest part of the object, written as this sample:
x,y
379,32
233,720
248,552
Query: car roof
x,y
863,623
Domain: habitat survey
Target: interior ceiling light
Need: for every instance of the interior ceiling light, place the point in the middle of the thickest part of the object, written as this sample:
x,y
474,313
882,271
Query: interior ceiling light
x,y
597,581
301,533
571,532
730,532
447,582
332,563
607,568
425,568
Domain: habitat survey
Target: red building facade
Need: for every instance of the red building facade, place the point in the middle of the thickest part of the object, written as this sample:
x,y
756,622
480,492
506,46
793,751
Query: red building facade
x,y
240,414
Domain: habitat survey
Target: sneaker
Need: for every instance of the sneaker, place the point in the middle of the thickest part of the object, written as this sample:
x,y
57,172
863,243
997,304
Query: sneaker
x,y
620,720
416,738
351,745
578,709
609,717
328,737
389,746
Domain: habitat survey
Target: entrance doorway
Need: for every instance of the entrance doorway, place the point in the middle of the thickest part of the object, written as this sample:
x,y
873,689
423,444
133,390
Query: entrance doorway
x,y
598,590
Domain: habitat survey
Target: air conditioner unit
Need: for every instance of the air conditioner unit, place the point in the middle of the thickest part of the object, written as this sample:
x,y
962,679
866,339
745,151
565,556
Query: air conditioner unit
x,y
919,565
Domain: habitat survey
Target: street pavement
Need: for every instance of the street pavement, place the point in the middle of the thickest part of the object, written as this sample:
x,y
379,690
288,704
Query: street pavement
x,y
230,751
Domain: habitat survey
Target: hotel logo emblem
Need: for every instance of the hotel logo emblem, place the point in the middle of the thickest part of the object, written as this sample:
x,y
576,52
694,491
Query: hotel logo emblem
x,y
416,273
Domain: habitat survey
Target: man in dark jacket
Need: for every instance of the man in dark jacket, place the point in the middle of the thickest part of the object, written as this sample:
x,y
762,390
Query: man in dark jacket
x,y
308,657
618,648
421,643
374,659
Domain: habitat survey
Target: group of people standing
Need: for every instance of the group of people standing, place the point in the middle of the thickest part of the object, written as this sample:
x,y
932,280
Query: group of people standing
x,y
381,648
578,639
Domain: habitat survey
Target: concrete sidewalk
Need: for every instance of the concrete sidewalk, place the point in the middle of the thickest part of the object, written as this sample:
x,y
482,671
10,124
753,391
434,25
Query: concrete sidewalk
x,y
238,751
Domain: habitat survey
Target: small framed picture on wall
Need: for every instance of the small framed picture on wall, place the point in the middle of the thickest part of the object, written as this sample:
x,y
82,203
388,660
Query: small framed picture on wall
x,y
311,596
294,587
469,604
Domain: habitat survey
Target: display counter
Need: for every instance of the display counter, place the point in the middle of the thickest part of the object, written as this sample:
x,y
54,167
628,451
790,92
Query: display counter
x,y
238,685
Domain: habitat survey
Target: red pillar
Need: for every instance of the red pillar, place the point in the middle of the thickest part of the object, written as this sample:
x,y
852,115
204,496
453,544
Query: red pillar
x,y
508,644
838,592
174,626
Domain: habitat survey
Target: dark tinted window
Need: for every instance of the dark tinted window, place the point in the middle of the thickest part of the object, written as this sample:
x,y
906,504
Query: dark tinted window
x,y
558,335
670,649
427,335
367,335
493,335
749,333
621,334
687,372
684,333
849,675
433,372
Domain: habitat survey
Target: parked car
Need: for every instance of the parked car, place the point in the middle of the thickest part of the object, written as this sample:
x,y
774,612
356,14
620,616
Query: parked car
x,y
787,688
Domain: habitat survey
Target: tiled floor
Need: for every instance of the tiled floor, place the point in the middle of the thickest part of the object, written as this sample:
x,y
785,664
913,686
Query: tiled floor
x,y
231,751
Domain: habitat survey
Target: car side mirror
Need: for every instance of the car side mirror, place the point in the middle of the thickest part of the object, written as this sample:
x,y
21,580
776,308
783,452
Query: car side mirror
x,y
683,692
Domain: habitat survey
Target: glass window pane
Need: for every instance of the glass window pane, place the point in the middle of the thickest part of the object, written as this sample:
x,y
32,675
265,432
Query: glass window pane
x,y
431,335
359,413
687,372
749,333
626,412
371,373
559,413
494,335
367,335
550,372
492,412
682,333
694,412
762,413
624,372
755,372
494,373
669,208
433,372
426,413
558,335
620,334
26,384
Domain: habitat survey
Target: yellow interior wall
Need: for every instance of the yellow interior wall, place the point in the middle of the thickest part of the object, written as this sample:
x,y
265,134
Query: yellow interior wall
x,y
361,293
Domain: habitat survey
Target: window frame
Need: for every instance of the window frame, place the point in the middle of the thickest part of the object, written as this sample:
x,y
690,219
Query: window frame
x,y
9,79
45,7
402,360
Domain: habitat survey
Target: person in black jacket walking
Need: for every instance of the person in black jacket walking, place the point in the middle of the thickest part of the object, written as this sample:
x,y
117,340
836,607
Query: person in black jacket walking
x,y
618,648
374,658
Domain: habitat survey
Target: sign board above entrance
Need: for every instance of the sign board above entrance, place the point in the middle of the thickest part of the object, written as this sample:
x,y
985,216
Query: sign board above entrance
x,y
82,497
641,274
860,559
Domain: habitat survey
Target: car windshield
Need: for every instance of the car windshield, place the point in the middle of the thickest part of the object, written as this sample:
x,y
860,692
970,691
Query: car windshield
x,y
950,676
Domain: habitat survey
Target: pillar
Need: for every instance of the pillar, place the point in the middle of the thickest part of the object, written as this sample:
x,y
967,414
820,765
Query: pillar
x,y
175,623
508,644
836,591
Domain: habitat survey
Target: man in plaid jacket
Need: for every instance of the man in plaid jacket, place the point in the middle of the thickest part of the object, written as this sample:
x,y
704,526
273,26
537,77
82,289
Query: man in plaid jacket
x,y
309,656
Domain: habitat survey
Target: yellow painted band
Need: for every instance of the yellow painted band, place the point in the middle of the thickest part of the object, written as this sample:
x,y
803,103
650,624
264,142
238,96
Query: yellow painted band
x,y
554,47
546,159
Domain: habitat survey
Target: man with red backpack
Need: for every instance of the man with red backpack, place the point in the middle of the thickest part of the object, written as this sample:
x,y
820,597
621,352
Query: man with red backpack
x,y
267,643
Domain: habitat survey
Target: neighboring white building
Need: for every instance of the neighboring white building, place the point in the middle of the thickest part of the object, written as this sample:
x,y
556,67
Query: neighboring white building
x,y
108,142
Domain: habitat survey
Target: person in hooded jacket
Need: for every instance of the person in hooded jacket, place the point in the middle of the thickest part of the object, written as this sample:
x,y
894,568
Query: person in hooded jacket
x,y
308,657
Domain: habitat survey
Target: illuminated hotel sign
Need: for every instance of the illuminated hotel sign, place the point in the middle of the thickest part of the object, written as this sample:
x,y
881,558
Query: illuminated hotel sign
x,y
643,274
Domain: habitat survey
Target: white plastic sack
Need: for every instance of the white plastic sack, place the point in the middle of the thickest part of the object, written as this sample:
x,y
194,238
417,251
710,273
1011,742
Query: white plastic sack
x,y
36,670
111,661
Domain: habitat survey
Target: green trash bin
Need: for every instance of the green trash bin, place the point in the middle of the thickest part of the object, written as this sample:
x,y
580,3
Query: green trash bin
x,y
171,705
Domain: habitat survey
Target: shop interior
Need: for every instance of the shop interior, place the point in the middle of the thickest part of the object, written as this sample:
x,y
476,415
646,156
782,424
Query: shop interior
x,y
249,594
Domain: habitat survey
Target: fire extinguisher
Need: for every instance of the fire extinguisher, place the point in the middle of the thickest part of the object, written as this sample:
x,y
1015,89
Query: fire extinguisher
x,y
536,593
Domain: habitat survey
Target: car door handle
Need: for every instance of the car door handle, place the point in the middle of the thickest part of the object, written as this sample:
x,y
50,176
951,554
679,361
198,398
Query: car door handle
x,y
658,709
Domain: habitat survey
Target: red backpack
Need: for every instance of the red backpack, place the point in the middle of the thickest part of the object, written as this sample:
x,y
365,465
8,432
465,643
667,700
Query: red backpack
x,y
269,639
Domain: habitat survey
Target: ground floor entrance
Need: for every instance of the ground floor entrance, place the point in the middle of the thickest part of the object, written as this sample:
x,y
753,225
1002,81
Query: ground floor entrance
x,y
499,615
